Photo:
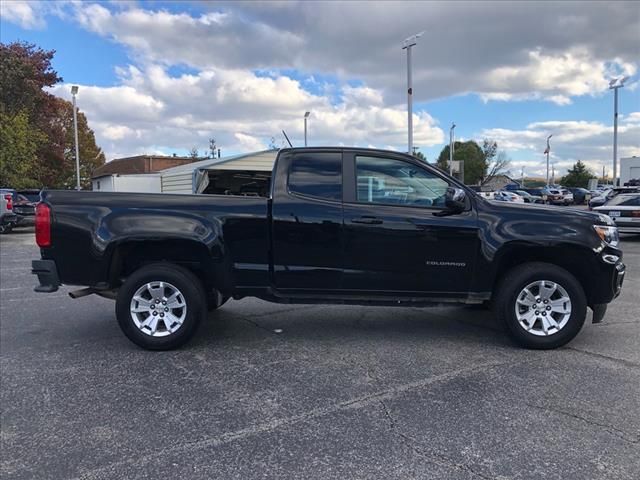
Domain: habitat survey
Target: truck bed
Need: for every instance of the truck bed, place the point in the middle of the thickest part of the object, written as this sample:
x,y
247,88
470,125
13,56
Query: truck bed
x,y
96,234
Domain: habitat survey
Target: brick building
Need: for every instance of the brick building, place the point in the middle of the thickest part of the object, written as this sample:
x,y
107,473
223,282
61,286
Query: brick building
x,y
140,164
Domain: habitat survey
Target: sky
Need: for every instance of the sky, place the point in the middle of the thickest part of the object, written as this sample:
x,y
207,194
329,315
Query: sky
x,y
163,77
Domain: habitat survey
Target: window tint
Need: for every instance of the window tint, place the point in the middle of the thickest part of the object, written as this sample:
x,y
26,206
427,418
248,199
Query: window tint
x,y
317,175
390,181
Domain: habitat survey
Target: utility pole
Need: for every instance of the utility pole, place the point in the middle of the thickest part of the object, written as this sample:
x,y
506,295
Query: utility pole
x,y
522,177
546,151
614,85
74,91
406,45
553,174
451,147
306,116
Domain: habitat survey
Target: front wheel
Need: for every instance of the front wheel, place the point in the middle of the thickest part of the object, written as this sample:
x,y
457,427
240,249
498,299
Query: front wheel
x,y
542,305
160,306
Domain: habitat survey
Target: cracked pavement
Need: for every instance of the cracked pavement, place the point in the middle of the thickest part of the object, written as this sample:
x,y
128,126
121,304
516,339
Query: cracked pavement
x,y
341,392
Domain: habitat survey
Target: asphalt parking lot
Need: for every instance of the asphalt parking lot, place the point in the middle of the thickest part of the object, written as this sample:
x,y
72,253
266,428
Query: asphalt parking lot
x,y
340,392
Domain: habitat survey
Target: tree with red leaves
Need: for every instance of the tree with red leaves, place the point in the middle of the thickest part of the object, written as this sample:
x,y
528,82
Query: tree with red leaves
x,y
36,127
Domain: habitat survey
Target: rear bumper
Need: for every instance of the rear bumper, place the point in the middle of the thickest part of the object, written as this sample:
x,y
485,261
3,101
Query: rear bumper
x,y
47,275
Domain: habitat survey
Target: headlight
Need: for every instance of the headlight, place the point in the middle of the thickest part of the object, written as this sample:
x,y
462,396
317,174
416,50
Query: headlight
x,y
608,235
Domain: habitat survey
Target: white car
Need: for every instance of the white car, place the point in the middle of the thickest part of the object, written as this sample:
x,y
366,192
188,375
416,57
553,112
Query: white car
x,y
567,196
624,209
503,196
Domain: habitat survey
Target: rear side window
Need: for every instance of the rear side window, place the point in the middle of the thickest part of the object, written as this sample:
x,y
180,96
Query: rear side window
x,y
317,175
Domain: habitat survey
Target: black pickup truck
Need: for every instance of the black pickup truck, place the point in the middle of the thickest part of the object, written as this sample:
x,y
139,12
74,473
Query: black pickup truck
x,y
337,225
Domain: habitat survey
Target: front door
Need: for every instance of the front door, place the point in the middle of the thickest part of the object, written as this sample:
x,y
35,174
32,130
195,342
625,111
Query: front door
x,y
393,242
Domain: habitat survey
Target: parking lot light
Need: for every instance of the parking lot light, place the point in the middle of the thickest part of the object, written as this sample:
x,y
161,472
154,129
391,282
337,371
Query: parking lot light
x,y
74,91
614,85
406,45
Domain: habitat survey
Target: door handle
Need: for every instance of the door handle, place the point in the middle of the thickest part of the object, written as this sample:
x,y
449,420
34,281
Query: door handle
x,y
367,220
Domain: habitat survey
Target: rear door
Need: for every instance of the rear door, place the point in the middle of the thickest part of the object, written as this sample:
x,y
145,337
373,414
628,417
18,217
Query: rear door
x,y
394,244
307,221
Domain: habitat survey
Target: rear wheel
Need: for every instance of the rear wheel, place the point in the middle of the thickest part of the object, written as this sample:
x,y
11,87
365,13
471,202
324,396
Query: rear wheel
x,y
542,305
160,306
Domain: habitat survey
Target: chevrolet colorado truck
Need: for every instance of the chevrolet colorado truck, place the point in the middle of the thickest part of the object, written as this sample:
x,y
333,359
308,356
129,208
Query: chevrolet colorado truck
x,y
335,225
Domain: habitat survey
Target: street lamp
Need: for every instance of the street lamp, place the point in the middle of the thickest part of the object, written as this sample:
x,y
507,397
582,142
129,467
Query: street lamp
x,y
74,91
546,151
306,115
406,45
451,147
614,85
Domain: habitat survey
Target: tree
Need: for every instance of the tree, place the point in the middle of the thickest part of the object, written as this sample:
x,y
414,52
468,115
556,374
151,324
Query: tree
x,y
193,153
489,150
212,148
419,155
18,142
577,176
499,166
37,143
471,155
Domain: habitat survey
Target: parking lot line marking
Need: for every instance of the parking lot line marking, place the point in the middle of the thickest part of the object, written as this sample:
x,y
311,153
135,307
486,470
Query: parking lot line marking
x,y
356,403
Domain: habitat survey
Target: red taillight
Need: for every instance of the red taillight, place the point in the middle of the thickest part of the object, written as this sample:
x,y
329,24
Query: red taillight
x,y
43,225
9,199
635,213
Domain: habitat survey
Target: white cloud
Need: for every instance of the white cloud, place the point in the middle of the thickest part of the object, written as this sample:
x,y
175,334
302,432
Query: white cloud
x,y
590,142
26,14
556,78
241,110
496,50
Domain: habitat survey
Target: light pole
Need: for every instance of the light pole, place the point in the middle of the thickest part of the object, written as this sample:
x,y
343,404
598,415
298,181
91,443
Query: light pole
x,y
406,45
74,91
306,115
546,151
451,147
614,85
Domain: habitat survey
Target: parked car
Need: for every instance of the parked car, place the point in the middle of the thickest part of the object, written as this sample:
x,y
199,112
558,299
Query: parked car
x,y
25,210
528,198
536,192
338,225
554,196
609,194
504,196
624,209
581,196
7,216
567,196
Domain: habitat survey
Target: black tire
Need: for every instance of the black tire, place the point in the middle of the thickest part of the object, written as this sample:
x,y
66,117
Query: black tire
x,y
521,276
191,290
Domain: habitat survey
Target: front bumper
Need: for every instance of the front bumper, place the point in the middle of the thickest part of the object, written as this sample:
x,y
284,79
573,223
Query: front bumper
x,y
47,275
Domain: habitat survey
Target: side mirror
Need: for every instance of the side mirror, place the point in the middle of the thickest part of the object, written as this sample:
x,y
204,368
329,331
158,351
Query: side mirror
x,y
455,199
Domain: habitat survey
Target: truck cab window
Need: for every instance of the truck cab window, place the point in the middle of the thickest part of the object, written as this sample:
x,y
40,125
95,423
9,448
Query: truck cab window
x,y
394,182
317,175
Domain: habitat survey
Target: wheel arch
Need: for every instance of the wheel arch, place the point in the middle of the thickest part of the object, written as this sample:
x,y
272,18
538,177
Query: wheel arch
x,y
127,257
575,259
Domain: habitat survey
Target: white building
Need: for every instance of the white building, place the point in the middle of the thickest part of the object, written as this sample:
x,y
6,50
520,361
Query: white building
x,y
135,182
629,169
243,174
